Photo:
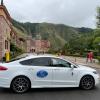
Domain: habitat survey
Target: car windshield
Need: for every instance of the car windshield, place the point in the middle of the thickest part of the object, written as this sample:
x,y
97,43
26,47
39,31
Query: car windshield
x,y
74,63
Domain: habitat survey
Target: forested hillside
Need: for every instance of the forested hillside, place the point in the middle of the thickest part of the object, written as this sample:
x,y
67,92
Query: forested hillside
x,y
57,34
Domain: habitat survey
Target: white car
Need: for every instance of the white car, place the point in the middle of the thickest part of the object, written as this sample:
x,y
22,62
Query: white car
x,y
40,71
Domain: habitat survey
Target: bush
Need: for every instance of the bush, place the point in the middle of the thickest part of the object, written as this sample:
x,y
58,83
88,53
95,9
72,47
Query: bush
x,y
15,51
98,58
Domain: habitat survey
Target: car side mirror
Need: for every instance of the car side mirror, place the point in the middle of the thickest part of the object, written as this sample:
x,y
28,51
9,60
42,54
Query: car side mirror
x,y
72,67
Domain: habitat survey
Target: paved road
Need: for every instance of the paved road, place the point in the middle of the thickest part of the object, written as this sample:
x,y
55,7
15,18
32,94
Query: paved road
x,y
53,94
81,60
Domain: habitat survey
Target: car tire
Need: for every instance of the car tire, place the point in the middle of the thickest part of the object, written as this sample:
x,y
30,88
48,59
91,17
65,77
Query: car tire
x,y
20,84
87,82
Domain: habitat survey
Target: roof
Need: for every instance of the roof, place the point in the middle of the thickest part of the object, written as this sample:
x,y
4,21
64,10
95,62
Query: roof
x,y
6,12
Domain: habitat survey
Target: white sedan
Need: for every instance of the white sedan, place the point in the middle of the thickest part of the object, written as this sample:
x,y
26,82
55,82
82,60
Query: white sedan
x,y
40,71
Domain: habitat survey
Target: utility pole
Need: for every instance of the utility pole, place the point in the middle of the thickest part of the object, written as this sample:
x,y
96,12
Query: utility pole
x,y
2,2
98,17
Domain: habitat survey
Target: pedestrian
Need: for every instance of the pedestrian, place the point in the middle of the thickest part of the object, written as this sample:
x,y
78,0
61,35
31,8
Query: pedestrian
x,y
89,57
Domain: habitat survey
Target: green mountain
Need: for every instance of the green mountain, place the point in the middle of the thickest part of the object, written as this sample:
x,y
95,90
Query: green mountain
x,y
57,34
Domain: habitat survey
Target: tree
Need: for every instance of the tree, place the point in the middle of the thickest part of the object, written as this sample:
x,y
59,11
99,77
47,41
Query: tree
x,y
96,43
66,49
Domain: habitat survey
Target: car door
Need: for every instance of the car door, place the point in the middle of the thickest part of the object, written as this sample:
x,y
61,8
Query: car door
x,y
40,71
43,71
63,74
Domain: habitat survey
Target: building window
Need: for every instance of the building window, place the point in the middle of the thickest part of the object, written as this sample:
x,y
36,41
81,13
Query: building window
x,y
6,44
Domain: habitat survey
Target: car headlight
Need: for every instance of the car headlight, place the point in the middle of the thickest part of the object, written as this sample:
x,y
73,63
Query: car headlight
x,y
95,72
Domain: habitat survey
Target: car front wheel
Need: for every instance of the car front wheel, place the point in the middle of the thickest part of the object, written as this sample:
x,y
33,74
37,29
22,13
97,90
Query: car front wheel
x,y
87,82
20,84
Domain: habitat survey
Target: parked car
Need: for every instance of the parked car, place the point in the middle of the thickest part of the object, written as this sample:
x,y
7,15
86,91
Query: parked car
x,y
40,71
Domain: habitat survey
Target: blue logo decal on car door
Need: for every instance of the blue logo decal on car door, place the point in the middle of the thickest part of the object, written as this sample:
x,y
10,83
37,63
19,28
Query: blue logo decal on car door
x,y
42,73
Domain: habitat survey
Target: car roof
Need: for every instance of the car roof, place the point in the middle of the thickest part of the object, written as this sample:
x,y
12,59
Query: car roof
x,y
30,56
40,55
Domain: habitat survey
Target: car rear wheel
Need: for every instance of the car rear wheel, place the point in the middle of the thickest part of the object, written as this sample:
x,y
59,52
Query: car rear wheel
x,y
20,84
87,82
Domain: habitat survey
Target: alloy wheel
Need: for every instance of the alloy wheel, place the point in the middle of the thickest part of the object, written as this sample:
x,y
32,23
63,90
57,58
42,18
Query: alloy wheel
x,y
20,84
87,82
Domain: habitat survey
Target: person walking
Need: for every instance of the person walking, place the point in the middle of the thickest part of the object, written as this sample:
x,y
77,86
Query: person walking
x,y
89,57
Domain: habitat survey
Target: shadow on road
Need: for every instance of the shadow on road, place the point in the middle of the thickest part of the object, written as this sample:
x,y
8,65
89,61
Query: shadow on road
x,y
52,94
49,90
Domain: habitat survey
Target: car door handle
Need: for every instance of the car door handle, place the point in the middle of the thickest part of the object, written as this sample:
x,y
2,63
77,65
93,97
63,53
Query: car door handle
x,y
72,73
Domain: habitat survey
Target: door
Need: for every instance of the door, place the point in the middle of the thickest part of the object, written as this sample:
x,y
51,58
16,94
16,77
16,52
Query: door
x,y
40,71
63,74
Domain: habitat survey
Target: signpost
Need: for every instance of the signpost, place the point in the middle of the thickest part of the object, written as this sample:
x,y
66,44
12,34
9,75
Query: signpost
x,y
7,56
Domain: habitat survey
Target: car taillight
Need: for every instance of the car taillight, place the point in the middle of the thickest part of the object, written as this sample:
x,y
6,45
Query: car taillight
x,y
3,68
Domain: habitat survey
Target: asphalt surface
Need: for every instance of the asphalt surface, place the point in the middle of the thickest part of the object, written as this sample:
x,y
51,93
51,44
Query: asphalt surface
x,y
53,94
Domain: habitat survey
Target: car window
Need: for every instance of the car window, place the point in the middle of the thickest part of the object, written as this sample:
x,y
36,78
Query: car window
x,y
60,63
42,61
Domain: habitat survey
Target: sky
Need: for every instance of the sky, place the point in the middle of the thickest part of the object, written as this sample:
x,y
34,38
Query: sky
x,y
76,13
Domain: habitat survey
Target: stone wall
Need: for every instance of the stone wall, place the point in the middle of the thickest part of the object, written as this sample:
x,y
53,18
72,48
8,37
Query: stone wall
x,y
4,36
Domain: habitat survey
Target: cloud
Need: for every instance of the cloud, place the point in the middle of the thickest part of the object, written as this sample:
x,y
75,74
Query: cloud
x,y
76,13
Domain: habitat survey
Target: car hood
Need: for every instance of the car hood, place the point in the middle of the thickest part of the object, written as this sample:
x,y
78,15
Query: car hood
x,y
85,67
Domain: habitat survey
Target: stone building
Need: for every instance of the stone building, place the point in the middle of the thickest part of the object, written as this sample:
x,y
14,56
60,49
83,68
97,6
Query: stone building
x,y
5,30
37,45
18,39
8,35
42,45
30,44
